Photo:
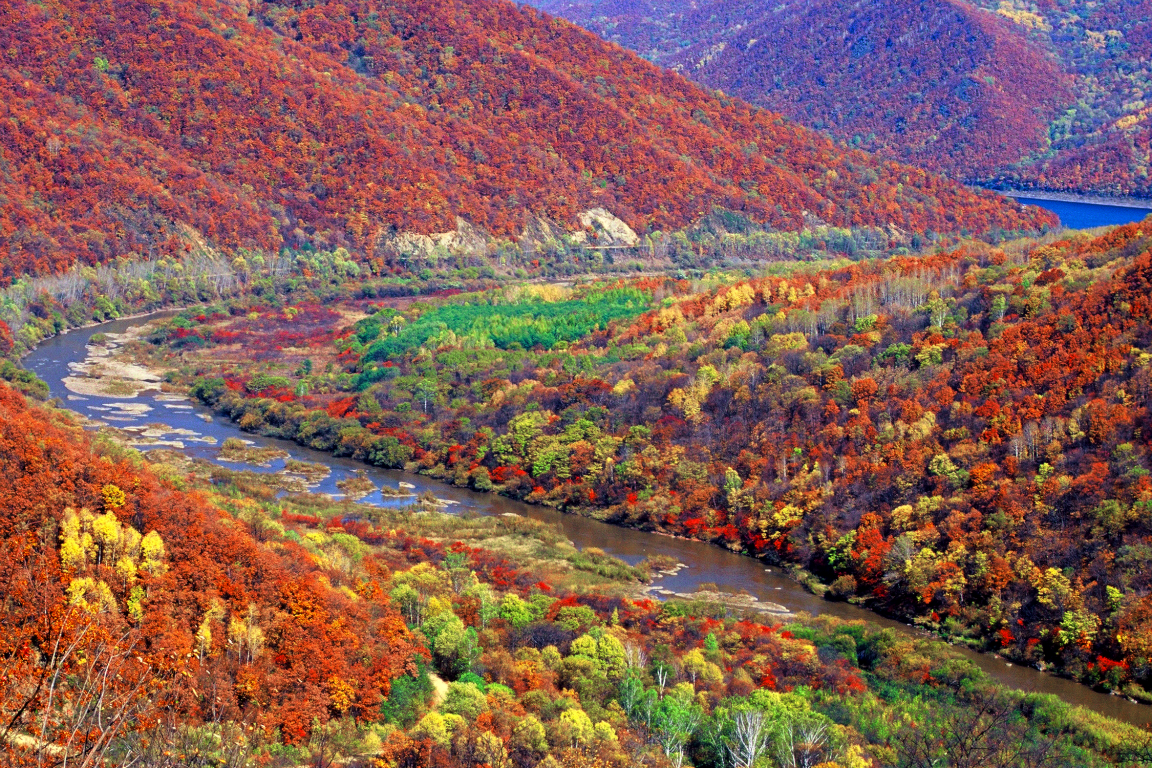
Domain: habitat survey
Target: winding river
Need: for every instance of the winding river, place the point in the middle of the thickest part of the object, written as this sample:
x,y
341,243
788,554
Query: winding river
x,y
193,429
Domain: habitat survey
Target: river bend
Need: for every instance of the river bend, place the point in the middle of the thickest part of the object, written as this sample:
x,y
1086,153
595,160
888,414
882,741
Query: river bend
x,y
200,435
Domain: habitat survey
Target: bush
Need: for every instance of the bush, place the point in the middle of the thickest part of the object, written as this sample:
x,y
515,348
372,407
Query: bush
x,y
480,479
844,587
262,382
389,452
25,381
474,679
209,391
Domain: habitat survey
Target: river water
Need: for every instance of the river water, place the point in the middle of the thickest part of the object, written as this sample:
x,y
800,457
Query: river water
x,y
193,426
1084,215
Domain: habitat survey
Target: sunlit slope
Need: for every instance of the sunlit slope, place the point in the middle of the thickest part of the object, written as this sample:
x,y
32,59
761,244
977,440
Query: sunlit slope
x,y
141,128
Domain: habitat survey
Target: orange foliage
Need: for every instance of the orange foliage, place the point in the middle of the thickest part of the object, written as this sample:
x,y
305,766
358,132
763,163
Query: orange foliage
x,y
1045,95
128,128
319,654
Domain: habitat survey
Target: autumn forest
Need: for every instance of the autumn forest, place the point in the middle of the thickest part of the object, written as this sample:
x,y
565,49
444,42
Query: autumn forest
x,y
1044,95
472,245
147,130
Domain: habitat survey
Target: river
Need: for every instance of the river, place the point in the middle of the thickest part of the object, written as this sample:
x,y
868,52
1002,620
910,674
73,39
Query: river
x,y
193,426
1085,214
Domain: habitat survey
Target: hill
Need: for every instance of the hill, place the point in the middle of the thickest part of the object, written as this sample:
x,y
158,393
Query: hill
x,y
141,129
131,605
1048,95
957,439
168,612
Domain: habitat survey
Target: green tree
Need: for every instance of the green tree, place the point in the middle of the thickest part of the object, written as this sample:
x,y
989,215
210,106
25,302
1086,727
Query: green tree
x,y
408,696
676,721
433,727
515,611
575,727
528,736
464,699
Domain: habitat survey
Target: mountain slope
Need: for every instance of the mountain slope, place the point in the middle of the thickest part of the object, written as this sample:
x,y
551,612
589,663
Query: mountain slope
x,y
958,439
140,128
197,622
946,82
1049,95
165,614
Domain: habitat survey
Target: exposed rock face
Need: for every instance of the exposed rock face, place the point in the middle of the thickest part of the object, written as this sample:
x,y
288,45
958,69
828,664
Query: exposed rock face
x,y
465,240
595,227
608,229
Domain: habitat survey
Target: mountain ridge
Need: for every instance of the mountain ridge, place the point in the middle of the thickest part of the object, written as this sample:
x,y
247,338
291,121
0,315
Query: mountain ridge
x,y
1045,96
272,126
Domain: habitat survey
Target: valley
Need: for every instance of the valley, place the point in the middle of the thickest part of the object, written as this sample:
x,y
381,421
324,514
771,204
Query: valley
x,y
286,557
701,563
643,403
438,384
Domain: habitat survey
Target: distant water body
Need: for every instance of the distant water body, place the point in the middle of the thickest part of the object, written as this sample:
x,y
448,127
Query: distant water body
x,y
1083,215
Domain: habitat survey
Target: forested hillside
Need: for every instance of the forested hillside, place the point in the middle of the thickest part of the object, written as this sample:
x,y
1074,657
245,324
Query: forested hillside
x,y
171,614
131,606
144,129
959,439
1049,95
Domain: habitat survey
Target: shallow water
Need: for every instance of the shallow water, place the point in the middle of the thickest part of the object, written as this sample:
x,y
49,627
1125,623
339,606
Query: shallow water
x,y
199,433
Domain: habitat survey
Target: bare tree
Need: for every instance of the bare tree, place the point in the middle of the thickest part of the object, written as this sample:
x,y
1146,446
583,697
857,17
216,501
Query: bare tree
x,y
987,730
661,673
172,744
634,657
801,743
84,689
86,711
72,676
750,736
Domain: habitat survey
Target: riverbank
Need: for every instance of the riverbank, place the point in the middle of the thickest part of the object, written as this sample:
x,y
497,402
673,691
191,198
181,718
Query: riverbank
x,y
707,563
103,374
1069,197
508,585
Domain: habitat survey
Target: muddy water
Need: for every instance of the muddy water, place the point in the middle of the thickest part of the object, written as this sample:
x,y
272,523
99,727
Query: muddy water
x,y
195,431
